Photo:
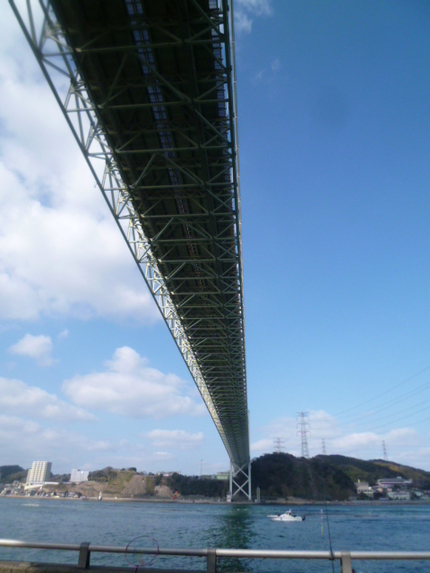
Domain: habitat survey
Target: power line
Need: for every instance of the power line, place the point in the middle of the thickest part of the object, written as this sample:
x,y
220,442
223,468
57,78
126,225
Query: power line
x,y
382,393
399,419
397,400
416,408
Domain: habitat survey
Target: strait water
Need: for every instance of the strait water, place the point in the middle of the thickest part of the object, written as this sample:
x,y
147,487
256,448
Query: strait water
x,y
198,526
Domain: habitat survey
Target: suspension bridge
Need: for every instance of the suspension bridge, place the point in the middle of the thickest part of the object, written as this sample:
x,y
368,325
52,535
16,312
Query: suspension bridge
x,y
148,89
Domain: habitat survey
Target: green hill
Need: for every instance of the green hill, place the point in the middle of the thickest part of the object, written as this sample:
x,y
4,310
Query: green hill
x,y
10,473
281,475
373,470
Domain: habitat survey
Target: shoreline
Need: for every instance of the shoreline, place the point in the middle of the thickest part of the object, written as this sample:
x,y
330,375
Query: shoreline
x,y
295,502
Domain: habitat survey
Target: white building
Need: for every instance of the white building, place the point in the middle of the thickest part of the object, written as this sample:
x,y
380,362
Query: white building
x,y
364,487
39,473
399,495
79,475
390,483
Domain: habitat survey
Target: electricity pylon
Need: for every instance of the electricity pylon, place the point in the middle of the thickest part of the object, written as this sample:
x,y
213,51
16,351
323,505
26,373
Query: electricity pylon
x,y
304,431
384,451
279,444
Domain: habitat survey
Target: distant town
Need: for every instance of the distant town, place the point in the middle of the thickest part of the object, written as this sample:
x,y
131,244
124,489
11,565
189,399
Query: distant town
x,y
39,482
398,488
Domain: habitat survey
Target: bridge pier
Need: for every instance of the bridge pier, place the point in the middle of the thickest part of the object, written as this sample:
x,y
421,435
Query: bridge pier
x,y
240,481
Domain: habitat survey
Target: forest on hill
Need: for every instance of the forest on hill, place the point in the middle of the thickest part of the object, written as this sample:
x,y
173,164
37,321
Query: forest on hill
x,y
9,474
281,475
324,477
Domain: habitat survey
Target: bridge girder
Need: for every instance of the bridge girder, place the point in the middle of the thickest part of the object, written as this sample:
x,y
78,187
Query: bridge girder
x,y
151,102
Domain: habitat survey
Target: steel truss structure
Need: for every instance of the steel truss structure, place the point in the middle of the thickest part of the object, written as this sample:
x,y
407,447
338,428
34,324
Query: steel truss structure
x,y
148,90
240,479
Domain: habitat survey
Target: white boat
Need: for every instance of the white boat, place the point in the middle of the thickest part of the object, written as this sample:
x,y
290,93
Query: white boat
x,y
287,516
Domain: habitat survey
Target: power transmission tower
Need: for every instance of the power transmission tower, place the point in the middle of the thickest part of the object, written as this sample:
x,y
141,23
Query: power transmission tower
x,y
304,431
384,451
279,444
324,451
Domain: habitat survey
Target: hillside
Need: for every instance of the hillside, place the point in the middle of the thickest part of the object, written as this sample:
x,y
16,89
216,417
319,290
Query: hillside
x,y
11,473
373,470
130,484
282,475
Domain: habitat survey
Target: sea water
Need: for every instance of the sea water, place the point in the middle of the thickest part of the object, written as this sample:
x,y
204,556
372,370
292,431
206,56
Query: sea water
x,y
360,527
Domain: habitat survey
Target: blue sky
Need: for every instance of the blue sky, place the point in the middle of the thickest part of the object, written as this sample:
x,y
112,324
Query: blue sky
x,y
334,114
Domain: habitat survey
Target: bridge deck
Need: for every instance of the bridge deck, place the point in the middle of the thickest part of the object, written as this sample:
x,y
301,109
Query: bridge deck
x,y
159,79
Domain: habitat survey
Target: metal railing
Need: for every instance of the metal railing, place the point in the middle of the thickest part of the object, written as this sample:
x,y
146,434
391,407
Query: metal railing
x,y
345,557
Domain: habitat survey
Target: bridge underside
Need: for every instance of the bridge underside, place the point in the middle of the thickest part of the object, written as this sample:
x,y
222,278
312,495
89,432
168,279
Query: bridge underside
x,y
151,102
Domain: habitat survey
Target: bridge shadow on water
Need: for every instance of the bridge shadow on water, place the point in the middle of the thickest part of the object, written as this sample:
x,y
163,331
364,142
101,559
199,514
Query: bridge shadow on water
x,y
233,530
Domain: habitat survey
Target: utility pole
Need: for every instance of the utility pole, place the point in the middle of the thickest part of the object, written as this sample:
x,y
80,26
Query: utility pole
x,y
304,431
324,452
279,444
384,451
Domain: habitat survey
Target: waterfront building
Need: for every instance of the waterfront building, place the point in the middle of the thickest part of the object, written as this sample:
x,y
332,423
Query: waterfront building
x,y
365,488
399,495
39,473
79,476
397,482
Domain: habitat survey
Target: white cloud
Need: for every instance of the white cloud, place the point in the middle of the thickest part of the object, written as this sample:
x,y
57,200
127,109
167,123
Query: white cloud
x,y
340,439
61,254
404,436
275,65
174,439
242,23
164,456
256,7
11,425
37,347
100,446
24,441
245,10
16,397
129,387
360,440
258,77
63,334
263,445
351,442
64,261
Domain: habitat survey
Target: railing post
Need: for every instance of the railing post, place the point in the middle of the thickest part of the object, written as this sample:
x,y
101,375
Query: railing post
x,y
84,556
345,562
211,561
